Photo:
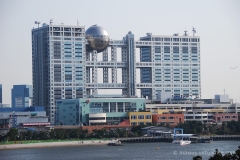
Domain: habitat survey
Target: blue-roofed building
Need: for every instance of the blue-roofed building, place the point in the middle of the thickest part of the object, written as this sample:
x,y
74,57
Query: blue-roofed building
x,y
23,117
22,96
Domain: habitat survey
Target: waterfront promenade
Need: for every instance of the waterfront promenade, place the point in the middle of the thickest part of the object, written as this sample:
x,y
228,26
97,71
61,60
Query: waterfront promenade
x,y
54,144
104,142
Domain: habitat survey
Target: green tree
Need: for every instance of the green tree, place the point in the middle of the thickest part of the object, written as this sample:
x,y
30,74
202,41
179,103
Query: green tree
x,y
60,133
29,134
12,134
237,152
35,135
217,156
43,135
211,129
66,134
197,158
52,134
225,130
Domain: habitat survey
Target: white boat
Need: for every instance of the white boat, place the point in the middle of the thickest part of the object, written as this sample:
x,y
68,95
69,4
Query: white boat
x,y
181,142
115,143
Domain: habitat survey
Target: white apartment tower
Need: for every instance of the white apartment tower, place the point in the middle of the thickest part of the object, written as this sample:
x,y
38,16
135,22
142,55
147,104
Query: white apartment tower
x,y
57,61
174,65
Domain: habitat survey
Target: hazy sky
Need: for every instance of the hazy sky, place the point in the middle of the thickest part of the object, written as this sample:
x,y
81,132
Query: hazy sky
x,y
217,22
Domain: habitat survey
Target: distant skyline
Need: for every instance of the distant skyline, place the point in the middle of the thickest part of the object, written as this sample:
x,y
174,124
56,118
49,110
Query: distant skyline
x,y
216,22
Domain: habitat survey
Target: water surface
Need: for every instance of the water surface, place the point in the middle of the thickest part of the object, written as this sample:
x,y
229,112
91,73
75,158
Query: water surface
x,y
129,151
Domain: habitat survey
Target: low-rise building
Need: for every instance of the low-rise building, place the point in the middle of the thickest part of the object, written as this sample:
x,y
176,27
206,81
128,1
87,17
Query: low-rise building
x,y
152,131
23,117
168,117
197,109
138,118
96,111
225,117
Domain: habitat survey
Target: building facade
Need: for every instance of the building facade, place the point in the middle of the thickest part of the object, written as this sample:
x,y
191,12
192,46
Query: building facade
x,y
22,96
198,109
65,68
140,118
225,117
58,58
23,116
172,64
168,117
98,111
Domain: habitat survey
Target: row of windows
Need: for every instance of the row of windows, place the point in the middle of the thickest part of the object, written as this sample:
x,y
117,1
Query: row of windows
x,y
176,39
141,117
169,70
228,117
165,117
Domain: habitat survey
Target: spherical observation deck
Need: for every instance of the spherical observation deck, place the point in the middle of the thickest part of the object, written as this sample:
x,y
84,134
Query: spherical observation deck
x,y
97,38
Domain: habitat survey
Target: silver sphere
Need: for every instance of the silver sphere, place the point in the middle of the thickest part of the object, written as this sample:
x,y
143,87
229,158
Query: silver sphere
x,y
97,38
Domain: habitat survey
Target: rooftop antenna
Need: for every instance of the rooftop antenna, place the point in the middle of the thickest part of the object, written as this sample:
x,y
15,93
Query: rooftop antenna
x,y
194,31
77,22
36,22
185,34
51,21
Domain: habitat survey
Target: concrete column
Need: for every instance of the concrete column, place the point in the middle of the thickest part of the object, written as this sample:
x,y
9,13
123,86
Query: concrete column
x,y
124,70
114,59
94,72
105,70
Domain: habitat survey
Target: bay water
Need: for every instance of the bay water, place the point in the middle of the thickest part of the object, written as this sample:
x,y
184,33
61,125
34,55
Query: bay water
x,y
129,151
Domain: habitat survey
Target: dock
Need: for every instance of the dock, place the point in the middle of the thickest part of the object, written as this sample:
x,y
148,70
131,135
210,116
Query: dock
x,y
201,139
144,139
225,137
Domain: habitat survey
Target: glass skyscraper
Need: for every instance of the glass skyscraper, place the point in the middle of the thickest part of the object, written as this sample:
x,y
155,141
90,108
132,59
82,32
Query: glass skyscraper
x,y
21,96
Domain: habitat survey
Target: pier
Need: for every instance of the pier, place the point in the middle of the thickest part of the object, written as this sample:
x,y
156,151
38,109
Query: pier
x,y
162,139
144,139
225,137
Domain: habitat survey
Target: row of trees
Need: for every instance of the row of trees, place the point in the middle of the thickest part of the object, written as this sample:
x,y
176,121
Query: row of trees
x,y
14,134
232,127
194,127
197,127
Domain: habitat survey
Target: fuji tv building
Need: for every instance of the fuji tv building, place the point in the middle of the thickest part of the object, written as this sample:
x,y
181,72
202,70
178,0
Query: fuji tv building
x,y
68,61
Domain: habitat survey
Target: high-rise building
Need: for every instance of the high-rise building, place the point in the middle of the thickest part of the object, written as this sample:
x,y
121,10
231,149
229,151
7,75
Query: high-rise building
x,y
174,65
66,65
21,96
58,59
0,93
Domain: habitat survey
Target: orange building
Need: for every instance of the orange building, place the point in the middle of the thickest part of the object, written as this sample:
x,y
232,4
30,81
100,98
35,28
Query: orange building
x,y
170,118
225,117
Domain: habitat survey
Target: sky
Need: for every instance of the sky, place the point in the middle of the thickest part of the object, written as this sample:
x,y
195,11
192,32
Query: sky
x,y
217,22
